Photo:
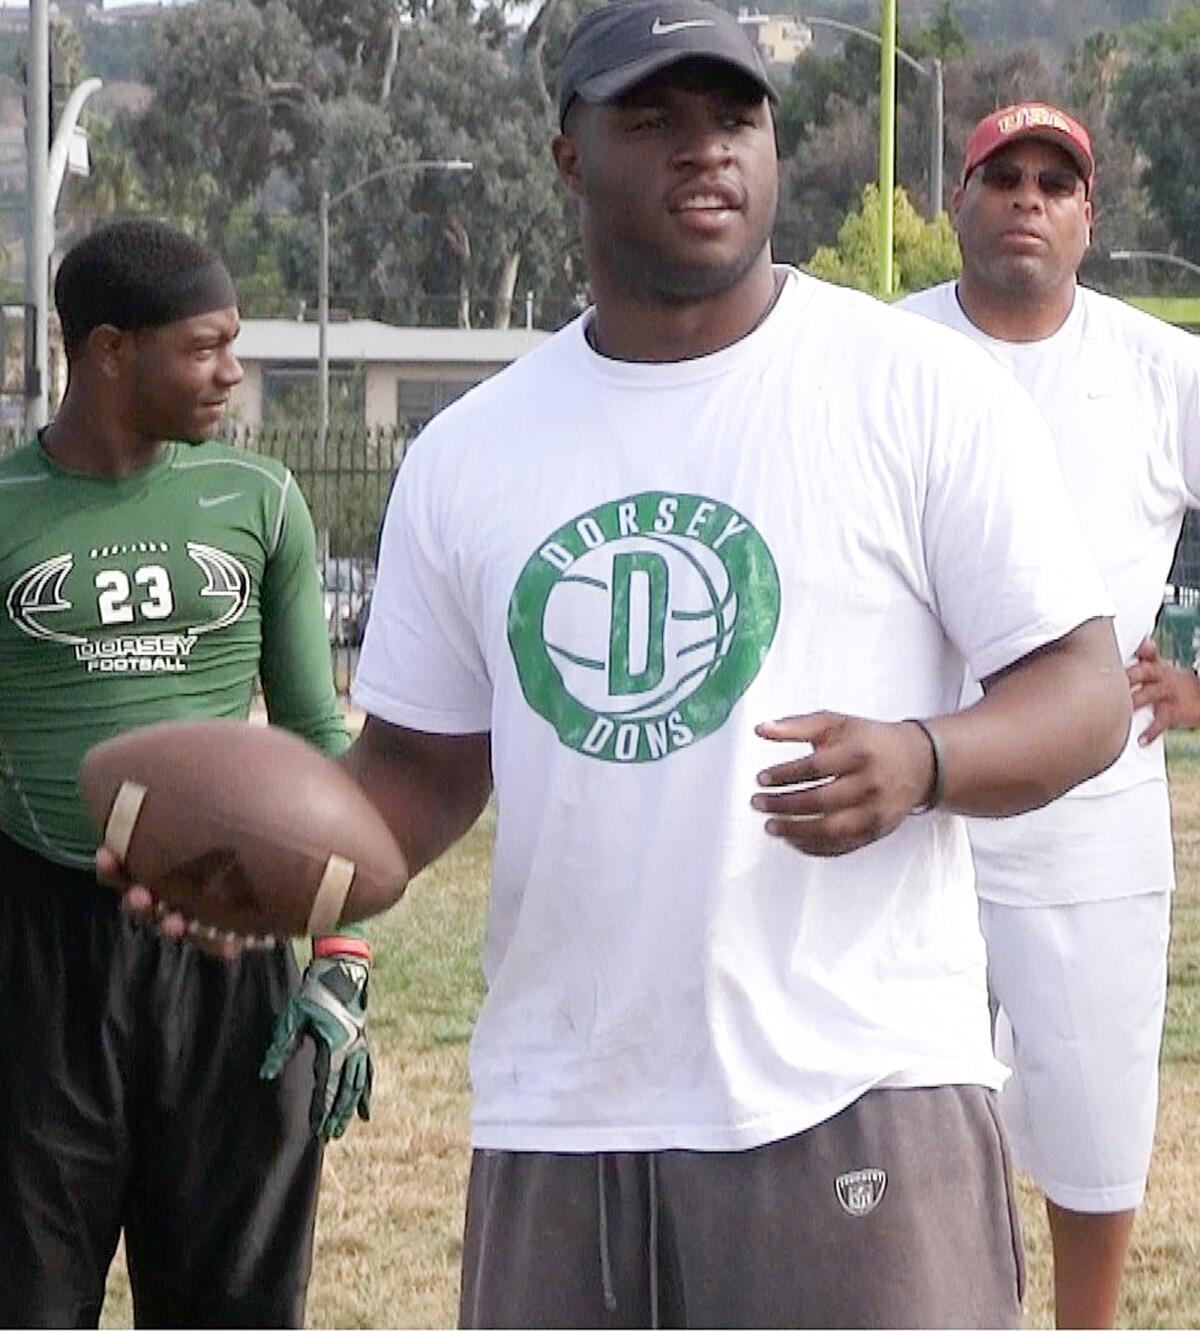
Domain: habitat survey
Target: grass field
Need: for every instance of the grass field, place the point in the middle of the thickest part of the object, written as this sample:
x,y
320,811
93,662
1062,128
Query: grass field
x,y
389,1230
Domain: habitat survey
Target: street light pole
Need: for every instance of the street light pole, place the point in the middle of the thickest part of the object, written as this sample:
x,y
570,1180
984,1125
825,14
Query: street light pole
x,y
327,202
887,144
60,149
1158,256
323,326
46,166
37,239
937,140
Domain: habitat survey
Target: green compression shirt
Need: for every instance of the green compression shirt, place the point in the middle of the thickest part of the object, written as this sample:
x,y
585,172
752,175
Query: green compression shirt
x,y
153,597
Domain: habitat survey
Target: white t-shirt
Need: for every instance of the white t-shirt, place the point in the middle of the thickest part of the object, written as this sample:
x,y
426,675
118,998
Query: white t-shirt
x,y
1121,393
618,569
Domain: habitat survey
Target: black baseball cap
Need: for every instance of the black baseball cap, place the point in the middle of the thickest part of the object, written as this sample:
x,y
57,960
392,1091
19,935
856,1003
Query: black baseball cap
x,y
615,47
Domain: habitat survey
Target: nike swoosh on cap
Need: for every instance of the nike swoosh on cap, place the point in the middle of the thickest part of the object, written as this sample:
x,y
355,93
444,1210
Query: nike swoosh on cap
x,y
661,29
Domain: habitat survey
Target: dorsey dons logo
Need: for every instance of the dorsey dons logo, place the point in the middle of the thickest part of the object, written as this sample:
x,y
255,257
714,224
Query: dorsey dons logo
x,y
637,626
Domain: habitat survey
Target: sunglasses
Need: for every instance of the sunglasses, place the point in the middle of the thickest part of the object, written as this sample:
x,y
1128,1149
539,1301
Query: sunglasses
x,y
1055,182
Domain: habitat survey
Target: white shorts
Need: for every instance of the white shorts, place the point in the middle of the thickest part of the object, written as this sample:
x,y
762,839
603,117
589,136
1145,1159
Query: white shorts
x,y
1082,991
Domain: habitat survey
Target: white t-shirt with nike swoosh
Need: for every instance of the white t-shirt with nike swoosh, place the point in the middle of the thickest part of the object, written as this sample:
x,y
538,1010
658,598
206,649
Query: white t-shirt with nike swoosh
x,y
1121,393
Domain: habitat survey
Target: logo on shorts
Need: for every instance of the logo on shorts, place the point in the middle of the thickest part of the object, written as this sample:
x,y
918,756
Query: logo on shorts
x,y
637,626
861,1190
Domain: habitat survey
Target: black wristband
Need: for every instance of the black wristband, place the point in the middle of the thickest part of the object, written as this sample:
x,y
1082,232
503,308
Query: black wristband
x,y
938,785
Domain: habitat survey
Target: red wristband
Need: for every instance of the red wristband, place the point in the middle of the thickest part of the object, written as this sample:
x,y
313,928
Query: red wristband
x,y
341,945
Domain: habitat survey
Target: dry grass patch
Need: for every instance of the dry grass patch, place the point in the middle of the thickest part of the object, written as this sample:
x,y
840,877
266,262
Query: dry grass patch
x,y
1162,1278
389,1233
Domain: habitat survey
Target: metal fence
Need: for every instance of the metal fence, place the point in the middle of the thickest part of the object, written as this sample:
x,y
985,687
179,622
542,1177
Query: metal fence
x,y
346,483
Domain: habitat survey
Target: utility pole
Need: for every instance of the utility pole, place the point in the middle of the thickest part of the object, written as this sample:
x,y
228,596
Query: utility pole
x,y
937,140
46,168
323,328
37,202
887,144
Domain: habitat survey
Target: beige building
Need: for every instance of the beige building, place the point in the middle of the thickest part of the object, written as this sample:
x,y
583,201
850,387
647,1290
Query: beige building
x,y
385,375
781,38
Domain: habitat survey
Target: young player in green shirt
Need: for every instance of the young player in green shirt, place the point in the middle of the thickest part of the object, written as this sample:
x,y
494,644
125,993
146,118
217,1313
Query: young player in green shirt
x,y
146,575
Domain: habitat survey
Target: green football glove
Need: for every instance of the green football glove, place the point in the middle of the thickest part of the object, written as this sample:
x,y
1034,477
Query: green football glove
x,y
330,1008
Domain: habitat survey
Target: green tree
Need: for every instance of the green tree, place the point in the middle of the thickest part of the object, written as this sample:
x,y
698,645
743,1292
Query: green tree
x,y
543,45
1157,106
113,185
1093,68
259,245
236,97
261,104
943,36
1122,216
924,253
117,52
507,219
820,86
823,178
66,61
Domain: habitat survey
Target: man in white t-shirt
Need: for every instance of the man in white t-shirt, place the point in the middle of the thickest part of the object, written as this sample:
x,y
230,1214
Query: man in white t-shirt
x,y
734,1063
1076,896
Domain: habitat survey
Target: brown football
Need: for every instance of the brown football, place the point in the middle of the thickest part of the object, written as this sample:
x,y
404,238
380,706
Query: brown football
x,y
243,828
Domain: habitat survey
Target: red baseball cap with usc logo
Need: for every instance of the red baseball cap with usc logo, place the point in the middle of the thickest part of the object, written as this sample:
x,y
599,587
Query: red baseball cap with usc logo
x,y
1030,120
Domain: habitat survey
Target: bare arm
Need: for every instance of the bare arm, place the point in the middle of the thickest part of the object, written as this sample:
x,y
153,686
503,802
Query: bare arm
x,y
1048,722
429,788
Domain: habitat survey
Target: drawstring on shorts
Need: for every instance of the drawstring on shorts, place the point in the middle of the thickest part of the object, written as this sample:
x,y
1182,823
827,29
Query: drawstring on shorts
x,y
654,1243
606,1278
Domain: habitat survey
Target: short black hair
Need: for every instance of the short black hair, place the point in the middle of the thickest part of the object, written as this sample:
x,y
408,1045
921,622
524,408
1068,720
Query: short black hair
x,y
137,274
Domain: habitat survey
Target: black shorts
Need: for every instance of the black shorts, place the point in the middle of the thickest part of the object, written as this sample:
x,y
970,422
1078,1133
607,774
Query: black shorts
x,y
130,1099
897,1212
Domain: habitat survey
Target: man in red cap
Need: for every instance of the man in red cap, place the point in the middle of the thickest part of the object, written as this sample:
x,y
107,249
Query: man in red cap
x,y
1076,896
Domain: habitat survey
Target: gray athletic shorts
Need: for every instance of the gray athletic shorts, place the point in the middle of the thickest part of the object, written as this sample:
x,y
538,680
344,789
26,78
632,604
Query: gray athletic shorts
x,y
899,1211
